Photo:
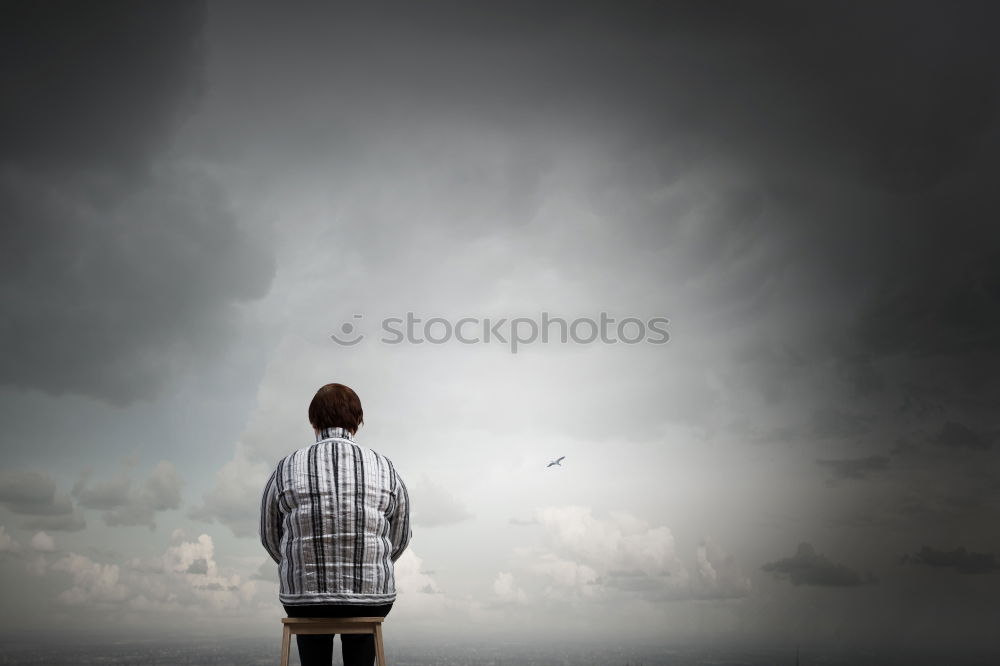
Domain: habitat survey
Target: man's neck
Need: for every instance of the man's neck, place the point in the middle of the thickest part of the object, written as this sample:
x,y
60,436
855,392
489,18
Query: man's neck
x,y
331,433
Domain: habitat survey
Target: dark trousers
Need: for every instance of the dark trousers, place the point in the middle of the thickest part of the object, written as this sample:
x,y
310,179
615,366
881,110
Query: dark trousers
x,y
317,649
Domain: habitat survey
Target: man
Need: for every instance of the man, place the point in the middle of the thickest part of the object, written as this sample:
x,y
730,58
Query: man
x,y
335,516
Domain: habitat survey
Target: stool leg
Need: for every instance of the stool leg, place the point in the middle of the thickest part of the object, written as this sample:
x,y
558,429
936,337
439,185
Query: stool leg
x,y
379,649
286,644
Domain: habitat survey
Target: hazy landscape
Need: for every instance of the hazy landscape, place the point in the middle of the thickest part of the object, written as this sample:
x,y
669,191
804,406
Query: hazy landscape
x,y
260,652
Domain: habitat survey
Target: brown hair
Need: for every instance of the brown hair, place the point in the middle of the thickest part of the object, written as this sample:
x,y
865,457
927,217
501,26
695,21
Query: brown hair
x,y
336,406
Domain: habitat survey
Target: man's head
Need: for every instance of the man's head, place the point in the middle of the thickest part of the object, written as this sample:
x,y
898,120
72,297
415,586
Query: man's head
x,y
336,406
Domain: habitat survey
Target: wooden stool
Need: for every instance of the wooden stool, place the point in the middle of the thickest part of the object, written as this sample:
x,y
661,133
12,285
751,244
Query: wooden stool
x,y
332,625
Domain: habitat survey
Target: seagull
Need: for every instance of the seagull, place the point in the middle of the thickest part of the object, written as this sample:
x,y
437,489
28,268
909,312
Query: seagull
x,y
556,462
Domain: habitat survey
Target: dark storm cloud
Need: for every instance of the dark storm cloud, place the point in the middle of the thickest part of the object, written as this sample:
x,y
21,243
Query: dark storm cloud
x,y
898,98
32,493
855,468
904,447
68,519
861,134
872,128
932,490
126,505
920,403
959,559
26,487
898,104
855,144
866,133
33,496
103,495
118,268
830,422
199,566
955,435
95,86
808,567
862,375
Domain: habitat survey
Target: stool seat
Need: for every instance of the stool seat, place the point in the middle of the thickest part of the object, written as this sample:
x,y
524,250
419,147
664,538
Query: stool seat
x,y
331,625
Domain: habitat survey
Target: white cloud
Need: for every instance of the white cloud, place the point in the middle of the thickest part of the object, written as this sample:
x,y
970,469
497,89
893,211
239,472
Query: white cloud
x,y
589,557
42,542
234,501
618,542
422,604
182,557
506,589
719,575
7,543
94,584
146,564
267,571
184,582
37,565
568,575
410,577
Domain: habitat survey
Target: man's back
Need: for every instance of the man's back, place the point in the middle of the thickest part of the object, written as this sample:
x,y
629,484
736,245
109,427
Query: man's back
x,y
335,516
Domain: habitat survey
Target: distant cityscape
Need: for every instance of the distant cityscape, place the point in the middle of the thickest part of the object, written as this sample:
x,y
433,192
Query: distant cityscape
x,y
259,652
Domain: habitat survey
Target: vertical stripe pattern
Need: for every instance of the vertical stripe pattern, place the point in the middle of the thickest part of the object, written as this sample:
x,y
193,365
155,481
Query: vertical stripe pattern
x,y
335,516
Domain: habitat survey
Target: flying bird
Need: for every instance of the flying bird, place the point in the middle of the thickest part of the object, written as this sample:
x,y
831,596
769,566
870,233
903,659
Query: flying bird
x,y
556,461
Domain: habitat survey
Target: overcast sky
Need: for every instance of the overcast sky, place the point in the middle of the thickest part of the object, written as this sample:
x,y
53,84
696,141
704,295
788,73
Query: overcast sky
x,y
194,198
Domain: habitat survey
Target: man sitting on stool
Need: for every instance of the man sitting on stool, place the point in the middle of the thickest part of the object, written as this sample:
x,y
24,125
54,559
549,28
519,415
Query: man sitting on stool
x,y
335,516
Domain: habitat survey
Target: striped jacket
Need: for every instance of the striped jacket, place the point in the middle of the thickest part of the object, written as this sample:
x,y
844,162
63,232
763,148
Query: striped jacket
x,y
335,516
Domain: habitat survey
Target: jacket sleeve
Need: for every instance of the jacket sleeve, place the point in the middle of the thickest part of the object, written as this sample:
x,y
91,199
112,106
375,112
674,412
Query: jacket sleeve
x,y
270,519
399,520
